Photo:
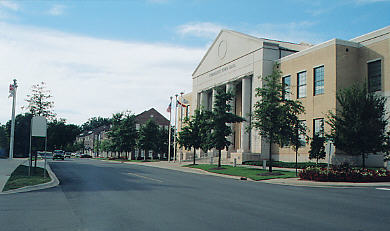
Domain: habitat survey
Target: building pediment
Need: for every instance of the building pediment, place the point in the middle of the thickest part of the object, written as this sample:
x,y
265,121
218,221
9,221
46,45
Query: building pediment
x,y
227,47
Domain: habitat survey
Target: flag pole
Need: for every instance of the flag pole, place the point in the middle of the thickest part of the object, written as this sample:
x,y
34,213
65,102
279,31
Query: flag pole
x,y
170,131
181,122
11,143
174,137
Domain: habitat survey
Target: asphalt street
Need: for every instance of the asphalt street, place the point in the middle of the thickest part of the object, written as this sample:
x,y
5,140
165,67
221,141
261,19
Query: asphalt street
x,y
96,195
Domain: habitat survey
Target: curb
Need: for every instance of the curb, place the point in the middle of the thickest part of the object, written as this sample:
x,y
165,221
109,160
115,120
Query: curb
x,y
53,183
277,181
182,169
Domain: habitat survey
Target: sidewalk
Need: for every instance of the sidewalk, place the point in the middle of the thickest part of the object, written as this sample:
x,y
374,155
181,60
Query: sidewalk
x,y
286,181
7,167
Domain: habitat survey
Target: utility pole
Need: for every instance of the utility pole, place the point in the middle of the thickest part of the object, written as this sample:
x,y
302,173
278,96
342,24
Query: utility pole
x,y
12,90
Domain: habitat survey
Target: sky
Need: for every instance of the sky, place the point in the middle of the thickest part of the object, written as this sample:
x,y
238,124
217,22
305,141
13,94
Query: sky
x,y
99,57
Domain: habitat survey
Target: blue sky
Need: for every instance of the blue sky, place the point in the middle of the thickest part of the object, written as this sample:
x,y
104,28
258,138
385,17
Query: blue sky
x,y
133,54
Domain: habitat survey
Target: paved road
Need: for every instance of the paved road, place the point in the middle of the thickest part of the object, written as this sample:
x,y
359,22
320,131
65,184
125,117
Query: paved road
x,y
96,195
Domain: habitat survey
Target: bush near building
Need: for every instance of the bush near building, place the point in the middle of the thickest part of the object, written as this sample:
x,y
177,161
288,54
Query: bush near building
x,y
340,174
281,164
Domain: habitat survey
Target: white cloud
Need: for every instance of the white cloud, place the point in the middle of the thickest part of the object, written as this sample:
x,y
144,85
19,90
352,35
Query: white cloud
x,y
9,5
92,77
200,29
56,10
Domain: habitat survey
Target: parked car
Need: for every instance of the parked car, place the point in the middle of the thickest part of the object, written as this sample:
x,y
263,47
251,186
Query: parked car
x,y
85,156
67,155
58,154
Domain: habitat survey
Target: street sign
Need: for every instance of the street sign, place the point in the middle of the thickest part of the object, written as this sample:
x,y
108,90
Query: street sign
x,y
38,126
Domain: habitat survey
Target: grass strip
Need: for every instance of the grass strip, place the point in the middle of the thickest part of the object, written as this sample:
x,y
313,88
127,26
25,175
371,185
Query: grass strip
x,y
123,160
19,178
251,173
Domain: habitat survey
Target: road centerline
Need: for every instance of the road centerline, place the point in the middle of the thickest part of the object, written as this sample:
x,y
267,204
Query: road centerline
x,y
145,177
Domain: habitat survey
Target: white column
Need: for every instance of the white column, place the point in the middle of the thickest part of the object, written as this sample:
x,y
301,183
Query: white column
x,y
213,98
246,109
203,100
230,88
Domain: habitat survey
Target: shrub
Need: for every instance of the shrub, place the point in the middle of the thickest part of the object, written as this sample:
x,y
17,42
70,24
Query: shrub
x,y
345,174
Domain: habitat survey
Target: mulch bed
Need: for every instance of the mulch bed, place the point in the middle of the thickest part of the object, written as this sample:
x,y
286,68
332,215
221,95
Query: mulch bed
x,y
270,174
221,168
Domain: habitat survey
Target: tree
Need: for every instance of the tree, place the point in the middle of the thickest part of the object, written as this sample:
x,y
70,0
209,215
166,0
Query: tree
x,y
3,141
358,126
115,133
191,135
95,122
61,135
39,102
220,117
162,142
297,138
22,134
128,132
274,116
148,134
317,148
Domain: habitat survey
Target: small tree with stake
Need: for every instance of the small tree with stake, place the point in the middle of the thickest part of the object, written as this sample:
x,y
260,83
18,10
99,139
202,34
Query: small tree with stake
x,y
317,148
220,117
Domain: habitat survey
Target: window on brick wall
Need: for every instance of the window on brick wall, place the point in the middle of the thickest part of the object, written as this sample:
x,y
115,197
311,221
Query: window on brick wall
x,y
374,76
302,136
301,85
318,127
319,80
286,81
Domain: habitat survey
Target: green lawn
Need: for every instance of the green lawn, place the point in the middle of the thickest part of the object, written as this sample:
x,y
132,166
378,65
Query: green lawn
x,y
243,172
19,178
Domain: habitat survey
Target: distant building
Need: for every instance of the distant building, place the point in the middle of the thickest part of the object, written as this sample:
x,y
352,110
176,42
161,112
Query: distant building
x,y
141,119
91,140
153,114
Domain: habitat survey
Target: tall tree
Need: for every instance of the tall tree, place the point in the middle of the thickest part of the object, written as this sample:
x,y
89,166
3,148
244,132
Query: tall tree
x,y
22,134
275,116
148,134
358,127
115,133
95,122
61,135
3,141
221,117
40,101
128,132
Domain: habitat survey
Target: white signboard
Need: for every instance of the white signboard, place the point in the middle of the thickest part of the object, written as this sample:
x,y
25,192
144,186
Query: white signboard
x,y
38,126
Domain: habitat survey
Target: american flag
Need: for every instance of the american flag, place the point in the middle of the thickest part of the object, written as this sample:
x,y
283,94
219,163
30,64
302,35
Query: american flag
x,y
169,107
11,90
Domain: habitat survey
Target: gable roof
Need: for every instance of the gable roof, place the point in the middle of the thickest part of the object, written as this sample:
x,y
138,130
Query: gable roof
x,y
286,45
153,114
